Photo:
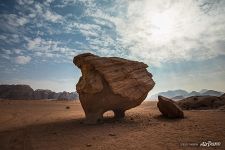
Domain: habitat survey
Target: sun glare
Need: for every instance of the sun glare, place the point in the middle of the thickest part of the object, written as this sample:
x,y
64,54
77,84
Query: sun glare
x,y
162,26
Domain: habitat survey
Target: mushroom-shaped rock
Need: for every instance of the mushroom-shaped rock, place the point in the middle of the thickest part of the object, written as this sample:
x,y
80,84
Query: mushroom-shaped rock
x,y
169,108
111,83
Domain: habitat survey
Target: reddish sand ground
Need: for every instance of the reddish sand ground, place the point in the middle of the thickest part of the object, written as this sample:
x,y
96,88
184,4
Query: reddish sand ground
x,y
49,125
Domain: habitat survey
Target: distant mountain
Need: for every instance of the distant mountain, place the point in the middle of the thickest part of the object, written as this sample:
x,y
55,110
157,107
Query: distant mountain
x,y
203,91
180,94
16,91
67,96
178,97
223,96
212,93
193,93
170,94
45,94
25,92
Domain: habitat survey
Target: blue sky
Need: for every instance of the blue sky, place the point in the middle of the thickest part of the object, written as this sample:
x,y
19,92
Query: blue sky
x,y
182,41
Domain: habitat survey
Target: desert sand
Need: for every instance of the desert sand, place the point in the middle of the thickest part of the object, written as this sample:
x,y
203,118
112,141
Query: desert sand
x,y
57,125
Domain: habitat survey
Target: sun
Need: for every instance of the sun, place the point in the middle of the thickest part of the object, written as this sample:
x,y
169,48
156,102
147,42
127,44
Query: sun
x,y
162,25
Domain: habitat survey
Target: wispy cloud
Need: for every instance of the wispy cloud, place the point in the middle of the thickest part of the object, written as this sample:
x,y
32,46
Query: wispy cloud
x,y
155,32
174,31
22,59
52,16
10,22
151,31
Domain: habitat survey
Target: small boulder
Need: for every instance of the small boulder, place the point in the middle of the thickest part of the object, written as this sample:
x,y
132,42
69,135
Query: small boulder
x,y
112,134
169,108
88,145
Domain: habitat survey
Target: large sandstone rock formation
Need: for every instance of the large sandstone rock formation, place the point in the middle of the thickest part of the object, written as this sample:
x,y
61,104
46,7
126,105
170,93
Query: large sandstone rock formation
x,y
169,108
67,96
44,94
18,92
25,92
111,83
202,102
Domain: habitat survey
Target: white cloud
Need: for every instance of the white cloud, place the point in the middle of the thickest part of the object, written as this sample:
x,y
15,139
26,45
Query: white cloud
x,y
22,21
34,43
42,45
155,32
48,2
41,12
15,20
3,37
22,59
6,51
10,38
84,28
162,31
5,56
52,16
50,49
23,2
18,51
146,30
12,22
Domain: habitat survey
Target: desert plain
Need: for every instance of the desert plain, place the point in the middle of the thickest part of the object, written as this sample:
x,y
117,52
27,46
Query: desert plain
x,y
58,125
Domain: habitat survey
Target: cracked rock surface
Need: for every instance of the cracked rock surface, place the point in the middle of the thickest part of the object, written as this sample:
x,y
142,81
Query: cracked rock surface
x,y
111,83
